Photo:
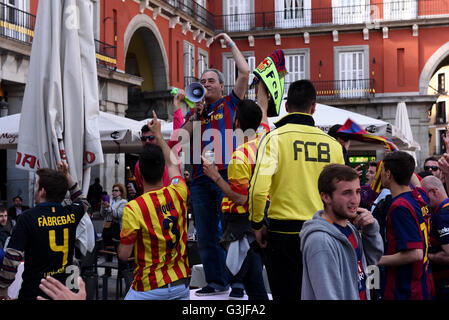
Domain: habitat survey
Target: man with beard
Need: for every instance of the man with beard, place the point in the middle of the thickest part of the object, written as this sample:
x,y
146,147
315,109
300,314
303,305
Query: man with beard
x,y
340,241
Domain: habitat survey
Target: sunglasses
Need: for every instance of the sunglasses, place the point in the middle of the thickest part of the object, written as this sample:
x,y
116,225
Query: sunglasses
x,y
145,138
433,168
115,190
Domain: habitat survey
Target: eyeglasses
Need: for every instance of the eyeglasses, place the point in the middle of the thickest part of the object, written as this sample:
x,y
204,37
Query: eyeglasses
x,y
145,138
115,190
433,168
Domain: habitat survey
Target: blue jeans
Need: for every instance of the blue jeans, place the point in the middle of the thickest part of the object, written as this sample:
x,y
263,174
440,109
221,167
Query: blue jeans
x,y
180,292
206,199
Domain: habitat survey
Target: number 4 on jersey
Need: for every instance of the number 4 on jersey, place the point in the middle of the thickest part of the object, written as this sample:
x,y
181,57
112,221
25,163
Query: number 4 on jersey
x,y
58,248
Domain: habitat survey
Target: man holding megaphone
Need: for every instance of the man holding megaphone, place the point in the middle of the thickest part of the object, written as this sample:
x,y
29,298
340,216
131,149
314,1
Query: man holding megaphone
x,y
214,112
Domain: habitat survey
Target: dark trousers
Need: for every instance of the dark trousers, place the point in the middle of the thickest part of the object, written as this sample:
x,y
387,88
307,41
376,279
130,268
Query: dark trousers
x,y
283,261
251,275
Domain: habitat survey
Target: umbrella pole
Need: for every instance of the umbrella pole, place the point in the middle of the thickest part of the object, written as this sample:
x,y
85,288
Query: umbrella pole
x,y
86,180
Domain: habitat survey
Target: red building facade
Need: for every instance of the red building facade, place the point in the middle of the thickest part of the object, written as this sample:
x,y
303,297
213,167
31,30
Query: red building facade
x,y
362,55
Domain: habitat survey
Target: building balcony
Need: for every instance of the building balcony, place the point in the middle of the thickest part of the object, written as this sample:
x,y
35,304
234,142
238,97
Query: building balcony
x,y
369,14
329,90
194,10
19,26
343,89
16,24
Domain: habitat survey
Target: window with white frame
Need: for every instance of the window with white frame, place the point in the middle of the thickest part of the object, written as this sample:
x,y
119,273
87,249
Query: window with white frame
x,y
231,72
400,10
238,15
189,61
350,11
293,13
351,71
95,9
297,64
203,61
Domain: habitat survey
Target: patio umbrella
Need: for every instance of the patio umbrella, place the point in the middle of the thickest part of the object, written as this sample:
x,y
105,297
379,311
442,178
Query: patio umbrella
x,y
402,124
59,118
60,107
116,133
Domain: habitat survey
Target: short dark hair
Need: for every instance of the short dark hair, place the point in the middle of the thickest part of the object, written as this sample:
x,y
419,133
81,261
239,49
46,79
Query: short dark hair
x,y
334,134
431,158
401,165
301,96
144,128
17,197
3,209
332,174
249,114
55,184
373,164
151,163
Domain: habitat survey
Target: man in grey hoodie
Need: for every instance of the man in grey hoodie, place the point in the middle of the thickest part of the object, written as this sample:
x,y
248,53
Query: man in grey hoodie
x,y
340,241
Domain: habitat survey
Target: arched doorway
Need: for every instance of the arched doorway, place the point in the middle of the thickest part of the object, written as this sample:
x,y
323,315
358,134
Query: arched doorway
x,y
146,57
434,80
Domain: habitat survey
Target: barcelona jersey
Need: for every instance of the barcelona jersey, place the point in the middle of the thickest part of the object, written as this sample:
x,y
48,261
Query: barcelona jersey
x,y
439,235
216,134
347,231
407,228
240,170
47,235
156,223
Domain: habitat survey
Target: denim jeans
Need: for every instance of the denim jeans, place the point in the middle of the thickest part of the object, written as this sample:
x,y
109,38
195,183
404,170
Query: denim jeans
x,y
206,199
179,292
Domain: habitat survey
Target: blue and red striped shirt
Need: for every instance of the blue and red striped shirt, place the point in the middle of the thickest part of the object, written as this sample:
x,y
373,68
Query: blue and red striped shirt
x,y
439,235
347,231
407,228
216,134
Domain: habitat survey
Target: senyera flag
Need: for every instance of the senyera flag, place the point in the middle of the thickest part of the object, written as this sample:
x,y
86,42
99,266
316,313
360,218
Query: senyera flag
x,y
353,131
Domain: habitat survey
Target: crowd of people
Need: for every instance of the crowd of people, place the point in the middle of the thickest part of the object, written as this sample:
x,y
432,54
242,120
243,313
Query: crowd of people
x,y
285,199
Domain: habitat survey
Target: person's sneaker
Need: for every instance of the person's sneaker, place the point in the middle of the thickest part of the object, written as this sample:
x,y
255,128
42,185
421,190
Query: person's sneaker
x,y
209,291
236,294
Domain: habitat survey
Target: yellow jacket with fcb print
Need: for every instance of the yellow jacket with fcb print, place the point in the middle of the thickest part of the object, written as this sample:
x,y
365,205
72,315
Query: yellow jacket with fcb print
x,y
288,164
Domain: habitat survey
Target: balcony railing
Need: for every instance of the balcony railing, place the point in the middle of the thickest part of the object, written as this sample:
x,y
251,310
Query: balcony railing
x,y
196,11
16,24
19,25
369,14
250,93
106,54
329,90
343,89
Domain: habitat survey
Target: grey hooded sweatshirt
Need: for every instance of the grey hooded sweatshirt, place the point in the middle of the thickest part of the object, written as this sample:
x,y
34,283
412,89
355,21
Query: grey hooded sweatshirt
x,y
330,261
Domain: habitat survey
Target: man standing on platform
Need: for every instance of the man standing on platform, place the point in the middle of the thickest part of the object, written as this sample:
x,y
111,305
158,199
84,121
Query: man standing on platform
x,y
208,119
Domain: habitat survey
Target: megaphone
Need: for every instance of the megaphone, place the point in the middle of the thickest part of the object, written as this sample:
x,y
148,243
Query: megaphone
x,y
195,92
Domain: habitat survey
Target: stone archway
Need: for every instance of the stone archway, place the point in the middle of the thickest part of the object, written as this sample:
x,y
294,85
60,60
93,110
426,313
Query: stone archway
x,y
157,54
438,59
